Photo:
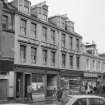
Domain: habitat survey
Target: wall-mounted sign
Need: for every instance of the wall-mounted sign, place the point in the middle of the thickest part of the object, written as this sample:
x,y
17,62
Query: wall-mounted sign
x,y
3,77
90,75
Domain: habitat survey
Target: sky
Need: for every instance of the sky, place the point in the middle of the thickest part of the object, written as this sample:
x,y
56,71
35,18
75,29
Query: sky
x,y
88,16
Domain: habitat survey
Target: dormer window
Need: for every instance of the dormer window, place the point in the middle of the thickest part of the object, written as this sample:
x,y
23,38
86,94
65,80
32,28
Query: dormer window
x,y
44,14
26,6
63,24
41,11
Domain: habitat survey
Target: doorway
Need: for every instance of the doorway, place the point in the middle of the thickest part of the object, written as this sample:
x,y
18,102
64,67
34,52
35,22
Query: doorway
x,y
51,84
19,85
3,89
27,83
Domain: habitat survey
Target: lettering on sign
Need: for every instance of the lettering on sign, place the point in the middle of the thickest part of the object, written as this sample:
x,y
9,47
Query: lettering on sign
x,y
90,75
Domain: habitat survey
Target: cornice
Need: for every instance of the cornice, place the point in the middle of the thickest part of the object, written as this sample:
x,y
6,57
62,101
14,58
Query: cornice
x,y
93,56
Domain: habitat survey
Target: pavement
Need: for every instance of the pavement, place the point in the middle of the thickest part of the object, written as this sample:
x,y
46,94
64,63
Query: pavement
x,y
46,102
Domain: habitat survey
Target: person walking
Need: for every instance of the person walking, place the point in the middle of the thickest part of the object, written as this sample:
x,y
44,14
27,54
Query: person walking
x,y
59,94
29,92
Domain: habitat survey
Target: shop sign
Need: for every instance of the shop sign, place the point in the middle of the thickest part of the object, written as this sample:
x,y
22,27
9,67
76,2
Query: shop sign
x,y
3,77
90,75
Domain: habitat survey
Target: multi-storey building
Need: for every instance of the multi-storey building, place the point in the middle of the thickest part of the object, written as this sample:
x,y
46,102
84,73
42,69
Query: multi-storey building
x,y
93,66
6,48
45,52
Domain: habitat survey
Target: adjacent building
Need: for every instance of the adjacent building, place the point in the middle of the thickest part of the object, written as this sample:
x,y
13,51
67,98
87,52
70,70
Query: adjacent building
x,y
93,66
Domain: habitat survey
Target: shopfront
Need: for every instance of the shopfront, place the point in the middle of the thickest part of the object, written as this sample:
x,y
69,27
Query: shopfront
x,y
92,80
71,80
6,67
38,85
43,80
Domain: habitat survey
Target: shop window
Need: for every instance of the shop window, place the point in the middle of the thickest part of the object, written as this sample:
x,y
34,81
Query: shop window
x,y
38,83
75,84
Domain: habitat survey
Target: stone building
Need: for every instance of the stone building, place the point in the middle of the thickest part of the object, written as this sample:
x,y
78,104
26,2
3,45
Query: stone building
x,y
39,50
46,54
6,49
93,65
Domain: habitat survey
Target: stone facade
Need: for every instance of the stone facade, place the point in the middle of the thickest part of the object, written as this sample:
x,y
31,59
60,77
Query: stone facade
x,y
46,52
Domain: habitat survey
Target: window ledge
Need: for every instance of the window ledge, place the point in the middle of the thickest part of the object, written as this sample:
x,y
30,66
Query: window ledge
x,y
8,30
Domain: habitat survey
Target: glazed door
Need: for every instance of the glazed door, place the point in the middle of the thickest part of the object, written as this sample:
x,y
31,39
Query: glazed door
x,y
27,83
19,85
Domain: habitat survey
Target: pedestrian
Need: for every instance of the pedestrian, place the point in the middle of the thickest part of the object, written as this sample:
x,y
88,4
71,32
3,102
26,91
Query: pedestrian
x,y
54,92
29,91
59,94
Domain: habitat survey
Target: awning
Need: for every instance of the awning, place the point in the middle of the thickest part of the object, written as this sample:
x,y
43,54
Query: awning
x,y
71,73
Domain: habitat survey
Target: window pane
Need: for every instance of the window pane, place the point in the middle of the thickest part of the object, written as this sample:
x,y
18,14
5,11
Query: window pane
x,y
45,57
33,30
33,54
38,83
23,53
71,61
52,58
4,22
78,61
63,40
53,36
63,60
77,40
71,42
23,27
44,30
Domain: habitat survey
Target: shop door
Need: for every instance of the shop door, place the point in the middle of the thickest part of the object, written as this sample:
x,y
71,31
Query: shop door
x,y
51,84
3,89
19,85
27,82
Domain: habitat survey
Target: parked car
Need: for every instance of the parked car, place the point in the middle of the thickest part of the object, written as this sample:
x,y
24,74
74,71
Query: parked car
x,y
84,100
